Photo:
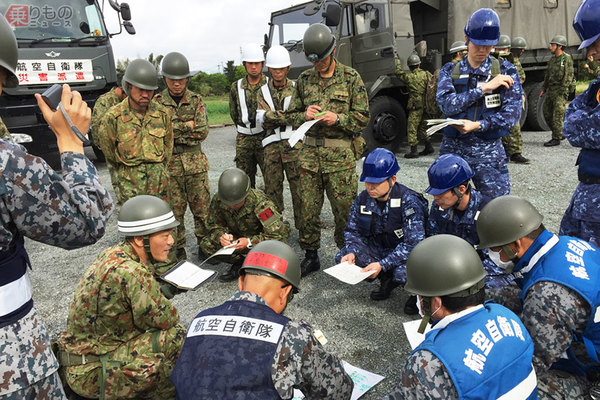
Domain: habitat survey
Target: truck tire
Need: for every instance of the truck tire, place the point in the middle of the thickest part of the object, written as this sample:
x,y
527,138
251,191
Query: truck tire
x,y
535,113
387,126
524,109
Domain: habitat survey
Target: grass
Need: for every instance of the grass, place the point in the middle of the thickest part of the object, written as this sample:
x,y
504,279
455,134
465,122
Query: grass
x,y
217,108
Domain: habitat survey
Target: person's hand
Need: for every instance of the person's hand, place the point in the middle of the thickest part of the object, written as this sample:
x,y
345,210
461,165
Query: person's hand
x,y
328,119
373,267
468,126
590,58
349,258
311,111
499,80
78,111
242,243
225,239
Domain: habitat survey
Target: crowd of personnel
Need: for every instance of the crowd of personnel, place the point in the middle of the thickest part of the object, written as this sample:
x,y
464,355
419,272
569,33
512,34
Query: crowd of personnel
x,y
513,307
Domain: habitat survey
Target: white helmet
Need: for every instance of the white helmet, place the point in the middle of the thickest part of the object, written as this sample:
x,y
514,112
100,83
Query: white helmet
x,y
252,52
278,57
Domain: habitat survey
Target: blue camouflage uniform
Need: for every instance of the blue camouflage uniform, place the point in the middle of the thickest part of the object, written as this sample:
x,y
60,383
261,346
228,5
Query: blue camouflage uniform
x,y
385,232
582,129
462,224
463,99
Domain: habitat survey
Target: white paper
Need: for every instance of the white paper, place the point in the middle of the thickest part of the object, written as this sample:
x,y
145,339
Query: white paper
x,y
188,275
415,338
348,273
299,133
363,381
439,124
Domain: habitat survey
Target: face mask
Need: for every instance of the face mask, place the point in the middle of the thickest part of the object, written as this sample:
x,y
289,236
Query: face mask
x,y
420,307
495,257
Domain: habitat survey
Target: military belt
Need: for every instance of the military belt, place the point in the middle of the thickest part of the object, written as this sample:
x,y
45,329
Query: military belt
x,y
66,359
324,142
182,148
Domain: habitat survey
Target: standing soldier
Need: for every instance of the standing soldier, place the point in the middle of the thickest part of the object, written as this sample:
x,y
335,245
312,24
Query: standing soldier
x,y
557,83
188,166
136,137
458,51
279,156
485,95
416,80
243,103
327,159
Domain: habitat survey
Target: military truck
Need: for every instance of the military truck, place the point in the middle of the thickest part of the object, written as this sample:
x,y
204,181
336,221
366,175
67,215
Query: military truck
x,y
372,34
60,41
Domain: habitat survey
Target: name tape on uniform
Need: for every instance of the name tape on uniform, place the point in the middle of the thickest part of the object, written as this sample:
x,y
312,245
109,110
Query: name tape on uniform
x,y
236,326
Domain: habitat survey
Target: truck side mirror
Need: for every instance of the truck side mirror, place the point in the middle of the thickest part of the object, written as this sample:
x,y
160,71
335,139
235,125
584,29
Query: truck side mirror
x,y
129,27
125,12
332,14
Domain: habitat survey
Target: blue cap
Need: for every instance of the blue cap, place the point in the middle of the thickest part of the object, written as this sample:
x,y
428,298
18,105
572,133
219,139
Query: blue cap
x,y
447,172
587,22
483,27
380,164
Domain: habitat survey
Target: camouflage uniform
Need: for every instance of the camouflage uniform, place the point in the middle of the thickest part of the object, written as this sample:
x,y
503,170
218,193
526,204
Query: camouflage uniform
x,y
3,130
139,149
594,67
299,362
513,142
257,220
416,81
248,147
558,79
279,156
189,167
68,212
118,310
326,164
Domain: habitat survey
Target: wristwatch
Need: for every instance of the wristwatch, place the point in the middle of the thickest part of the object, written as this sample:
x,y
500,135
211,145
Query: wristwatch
x,y
249,243
337,121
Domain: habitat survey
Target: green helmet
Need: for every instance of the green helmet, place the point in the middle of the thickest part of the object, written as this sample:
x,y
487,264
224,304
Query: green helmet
x,y
519,43
272,257
503,42
413,59
457,46
444,265
144,215
140,73
319,42
175,66
234,185
506,219
559,40
9,53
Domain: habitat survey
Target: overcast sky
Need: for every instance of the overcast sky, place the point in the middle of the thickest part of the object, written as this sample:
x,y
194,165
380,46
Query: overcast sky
x,y
207,32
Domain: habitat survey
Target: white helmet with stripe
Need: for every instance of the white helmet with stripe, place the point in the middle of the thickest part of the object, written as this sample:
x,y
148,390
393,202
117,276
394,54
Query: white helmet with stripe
x,y
144,215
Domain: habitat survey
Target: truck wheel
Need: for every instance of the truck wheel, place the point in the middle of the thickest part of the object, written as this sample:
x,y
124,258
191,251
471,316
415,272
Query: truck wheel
x,y
387,126
535,113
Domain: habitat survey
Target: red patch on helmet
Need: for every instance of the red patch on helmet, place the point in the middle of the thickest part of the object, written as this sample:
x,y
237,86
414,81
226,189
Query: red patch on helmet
x,y
266,214
265,260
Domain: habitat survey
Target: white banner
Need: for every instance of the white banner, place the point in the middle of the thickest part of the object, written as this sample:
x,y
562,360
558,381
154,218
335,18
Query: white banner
x,y
35,72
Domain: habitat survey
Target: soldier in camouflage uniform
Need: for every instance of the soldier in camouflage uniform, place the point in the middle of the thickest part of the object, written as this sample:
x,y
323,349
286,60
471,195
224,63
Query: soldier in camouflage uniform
x,y
557,294
69,212
245,348
136,137
241,216
188,167
557,82
123,336
416,80
592,66
327,160
243,103
279,156
4,133
472,344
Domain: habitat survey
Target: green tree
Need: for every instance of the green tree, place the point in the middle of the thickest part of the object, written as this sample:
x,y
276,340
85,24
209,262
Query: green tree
x,y
229,71
240,72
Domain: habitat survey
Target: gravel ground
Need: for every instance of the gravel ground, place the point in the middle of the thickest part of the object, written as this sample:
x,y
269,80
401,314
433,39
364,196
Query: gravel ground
x,y
365,333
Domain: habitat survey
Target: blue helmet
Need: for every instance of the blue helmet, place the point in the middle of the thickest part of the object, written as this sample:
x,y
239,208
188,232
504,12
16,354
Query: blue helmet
x,y
380,164
483,27
587,22
447,172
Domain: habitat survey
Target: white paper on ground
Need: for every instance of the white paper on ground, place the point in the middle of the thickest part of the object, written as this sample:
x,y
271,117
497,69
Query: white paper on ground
x,y
415,338
348,273
299,133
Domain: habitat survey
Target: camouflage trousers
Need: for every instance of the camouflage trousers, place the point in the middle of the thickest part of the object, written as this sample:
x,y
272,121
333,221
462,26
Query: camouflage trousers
x,y
248,154
49,388
416,127
554,113
149,178
559,385
276,165
513,142
341,187
114,179
192,190
138,369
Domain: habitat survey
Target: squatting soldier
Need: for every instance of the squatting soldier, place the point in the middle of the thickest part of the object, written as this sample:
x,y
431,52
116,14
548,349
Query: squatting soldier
x,y
245,348
486,96
327,157
188,166
241,216
386,222
475,349
243,103
582,129
76,216
279,156
136,137
416,80
557,294
123,336
557,82
458,51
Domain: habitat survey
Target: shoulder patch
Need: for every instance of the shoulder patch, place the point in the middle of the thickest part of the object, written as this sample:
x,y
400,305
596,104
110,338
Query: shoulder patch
x,y
266,215
395,203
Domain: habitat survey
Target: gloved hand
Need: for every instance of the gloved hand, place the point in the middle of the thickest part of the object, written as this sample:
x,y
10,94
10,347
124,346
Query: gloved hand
x,y
260,116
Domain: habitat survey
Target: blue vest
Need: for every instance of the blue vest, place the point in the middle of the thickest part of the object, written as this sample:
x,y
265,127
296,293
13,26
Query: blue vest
x,y
228,353
573,263
487,353
13,264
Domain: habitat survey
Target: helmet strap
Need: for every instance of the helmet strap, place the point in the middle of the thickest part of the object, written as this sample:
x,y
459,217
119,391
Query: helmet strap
x,y
513,257
427,311
390,184
151,259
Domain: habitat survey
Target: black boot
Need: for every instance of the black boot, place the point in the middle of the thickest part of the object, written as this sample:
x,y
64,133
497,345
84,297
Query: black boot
x,y
310,263
413,153
427,150
233,272
386,286
410,307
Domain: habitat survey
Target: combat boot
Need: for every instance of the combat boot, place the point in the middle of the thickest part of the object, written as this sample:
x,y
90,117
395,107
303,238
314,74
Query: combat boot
x,y
311,262
410,307
413,153
386,286
552,142
427,150
233,273
519,159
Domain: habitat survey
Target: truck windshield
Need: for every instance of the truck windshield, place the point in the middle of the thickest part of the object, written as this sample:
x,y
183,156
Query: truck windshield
x,y
289,28
53,20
